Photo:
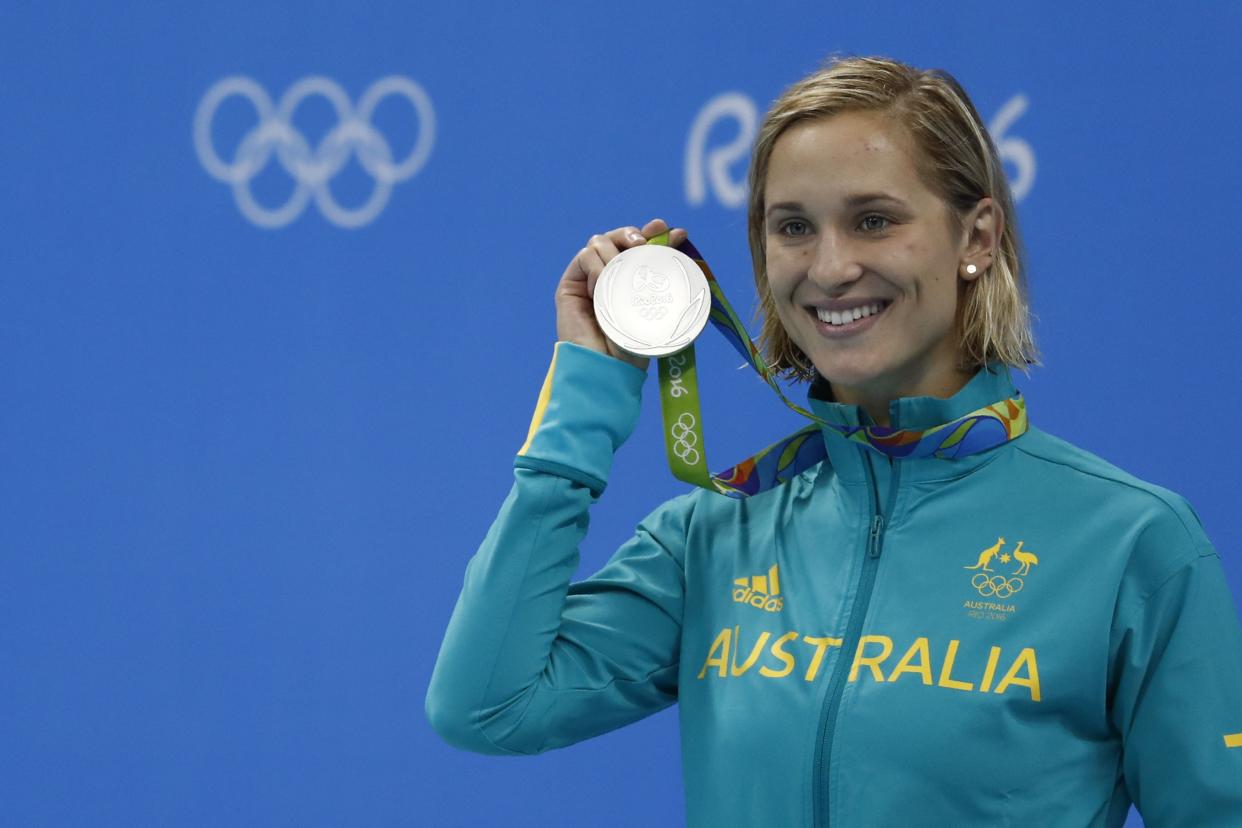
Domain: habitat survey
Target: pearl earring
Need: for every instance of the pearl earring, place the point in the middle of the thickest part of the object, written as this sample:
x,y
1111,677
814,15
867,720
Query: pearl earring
x,y
971,268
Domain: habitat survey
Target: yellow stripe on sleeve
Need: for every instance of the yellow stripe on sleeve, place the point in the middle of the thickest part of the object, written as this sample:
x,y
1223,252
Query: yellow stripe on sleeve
x,y
1233,740
544,395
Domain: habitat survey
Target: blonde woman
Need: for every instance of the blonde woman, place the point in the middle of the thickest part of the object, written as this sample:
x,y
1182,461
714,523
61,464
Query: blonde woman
x,y
1015,632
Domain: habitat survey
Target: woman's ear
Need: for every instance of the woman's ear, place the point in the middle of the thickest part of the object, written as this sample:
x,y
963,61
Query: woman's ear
x,y
981,236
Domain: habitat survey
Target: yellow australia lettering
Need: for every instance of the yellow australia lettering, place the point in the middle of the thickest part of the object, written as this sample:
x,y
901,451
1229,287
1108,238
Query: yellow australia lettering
x,y
872,652
722,661
1026,658
821,644
778,650
989,672
923,668
754,651
874,662
946,679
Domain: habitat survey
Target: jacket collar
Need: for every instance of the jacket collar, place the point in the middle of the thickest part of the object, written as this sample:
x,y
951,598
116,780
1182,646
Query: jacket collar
x,y
989,385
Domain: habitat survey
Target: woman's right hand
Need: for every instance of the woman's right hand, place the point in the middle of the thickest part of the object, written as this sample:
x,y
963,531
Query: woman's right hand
x,y
575,306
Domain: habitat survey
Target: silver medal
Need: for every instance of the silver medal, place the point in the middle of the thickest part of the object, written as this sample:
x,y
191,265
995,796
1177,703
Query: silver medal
x,y
652,300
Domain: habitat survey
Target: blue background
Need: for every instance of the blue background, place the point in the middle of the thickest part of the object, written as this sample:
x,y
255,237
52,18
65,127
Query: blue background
x,y
244,467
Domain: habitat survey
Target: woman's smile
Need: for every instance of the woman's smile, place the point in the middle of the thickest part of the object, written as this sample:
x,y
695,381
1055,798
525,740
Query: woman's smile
x,y
843,324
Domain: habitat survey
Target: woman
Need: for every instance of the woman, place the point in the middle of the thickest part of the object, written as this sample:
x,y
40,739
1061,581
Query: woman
x,y
1022,634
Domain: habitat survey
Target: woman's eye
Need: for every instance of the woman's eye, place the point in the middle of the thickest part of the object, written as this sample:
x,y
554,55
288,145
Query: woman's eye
x,y
875,227
794,223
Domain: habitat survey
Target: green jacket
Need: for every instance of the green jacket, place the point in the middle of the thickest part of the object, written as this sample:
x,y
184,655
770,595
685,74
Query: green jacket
x,y
1025,636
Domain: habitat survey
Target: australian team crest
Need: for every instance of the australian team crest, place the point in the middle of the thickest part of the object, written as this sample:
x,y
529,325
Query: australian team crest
x,y
996,581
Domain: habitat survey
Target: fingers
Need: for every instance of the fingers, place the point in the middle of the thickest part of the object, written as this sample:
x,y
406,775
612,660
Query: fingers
x,y
602,248
657,226
654,227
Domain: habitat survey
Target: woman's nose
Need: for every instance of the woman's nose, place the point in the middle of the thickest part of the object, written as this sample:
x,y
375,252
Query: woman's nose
x,y
833,262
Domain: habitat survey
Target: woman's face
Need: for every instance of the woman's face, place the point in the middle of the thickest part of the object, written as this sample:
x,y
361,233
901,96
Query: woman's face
x,y
828,247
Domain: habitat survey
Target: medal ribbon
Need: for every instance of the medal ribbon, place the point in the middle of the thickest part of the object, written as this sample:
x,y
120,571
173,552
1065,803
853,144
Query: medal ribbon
x,y
981,429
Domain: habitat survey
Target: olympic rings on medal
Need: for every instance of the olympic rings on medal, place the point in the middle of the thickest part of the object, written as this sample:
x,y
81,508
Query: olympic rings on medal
x,y
997,585
652,314
312,167
685,439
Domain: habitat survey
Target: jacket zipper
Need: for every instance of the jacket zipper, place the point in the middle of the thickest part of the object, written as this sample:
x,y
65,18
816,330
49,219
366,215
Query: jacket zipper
x,y
828,715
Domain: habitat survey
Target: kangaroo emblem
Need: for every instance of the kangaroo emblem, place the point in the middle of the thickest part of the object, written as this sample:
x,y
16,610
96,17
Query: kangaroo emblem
x,y
1027,558
990,553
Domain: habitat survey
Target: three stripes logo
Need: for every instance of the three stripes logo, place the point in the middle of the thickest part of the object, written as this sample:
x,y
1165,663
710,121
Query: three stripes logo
x,y
761,591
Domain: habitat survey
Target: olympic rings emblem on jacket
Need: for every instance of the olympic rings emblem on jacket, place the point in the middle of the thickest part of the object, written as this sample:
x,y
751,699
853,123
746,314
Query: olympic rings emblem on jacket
x,y
685,439
997,585
313,169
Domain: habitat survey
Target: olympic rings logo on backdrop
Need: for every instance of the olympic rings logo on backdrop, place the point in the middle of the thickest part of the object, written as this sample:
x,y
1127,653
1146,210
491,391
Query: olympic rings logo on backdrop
x,y
684,438
313,168
703,164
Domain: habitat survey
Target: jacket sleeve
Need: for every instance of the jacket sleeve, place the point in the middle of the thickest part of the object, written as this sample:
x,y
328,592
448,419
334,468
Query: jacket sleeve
x,y
1177,700
529,661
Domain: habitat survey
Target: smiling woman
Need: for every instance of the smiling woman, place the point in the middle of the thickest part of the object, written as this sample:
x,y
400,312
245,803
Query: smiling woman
x,y
870,183
957,618
834,254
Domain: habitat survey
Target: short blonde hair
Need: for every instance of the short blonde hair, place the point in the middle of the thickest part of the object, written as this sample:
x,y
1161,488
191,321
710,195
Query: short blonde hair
x,y
956,159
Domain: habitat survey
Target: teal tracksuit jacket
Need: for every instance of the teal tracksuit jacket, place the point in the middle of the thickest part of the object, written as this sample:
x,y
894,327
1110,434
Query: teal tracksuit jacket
x,y
1027,636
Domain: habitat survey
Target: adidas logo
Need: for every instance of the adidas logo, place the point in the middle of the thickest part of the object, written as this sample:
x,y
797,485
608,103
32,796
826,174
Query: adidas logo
x,y
762,591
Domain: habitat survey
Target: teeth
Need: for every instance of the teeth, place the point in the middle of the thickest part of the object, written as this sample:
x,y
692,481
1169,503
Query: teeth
x,y
845,317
